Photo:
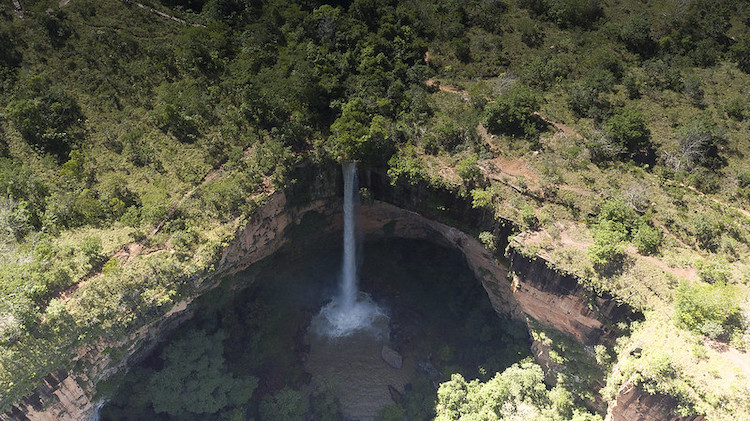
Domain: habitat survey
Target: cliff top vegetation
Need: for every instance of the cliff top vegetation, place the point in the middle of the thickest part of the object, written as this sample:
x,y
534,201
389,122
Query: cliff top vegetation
x,y
615,134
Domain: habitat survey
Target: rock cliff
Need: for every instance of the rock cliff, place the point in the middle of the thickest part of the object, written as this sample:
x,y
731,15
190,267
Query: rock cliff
x,y
536,291
633,404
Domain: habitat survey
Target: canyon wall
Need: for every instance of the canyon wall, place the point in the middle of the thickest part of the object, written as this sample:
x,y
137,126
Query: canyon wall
x,y
556,299
536,291
633,404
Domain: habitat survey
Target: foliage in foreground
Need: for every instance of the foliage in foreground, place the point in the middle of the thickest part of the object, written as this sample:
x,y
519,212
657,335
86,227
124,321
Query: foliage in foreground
x,y
710,309
518,393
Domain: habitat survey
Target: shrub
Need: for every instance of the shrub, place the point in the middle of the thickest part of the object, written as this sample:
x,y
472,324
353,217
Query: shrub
x,y
47,117
736,108
513,113
608,250
628,128
711,271
468,169
648,239
488,240
708,309
707,231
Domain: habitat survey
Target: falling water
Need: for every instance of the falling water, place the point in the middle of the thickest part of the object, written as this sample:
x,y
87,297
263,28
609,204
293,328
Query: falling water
x,y
349,281
351,310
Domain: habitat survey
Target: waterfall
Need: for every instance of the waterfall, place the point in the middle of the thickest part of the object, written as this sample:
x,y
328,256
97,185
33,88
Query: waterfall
x,y
349,281
351,310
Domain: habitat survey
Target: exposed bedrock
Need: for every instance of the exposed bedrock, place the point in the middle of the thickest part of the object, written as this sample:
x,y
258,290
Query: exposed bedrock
x,y
306,213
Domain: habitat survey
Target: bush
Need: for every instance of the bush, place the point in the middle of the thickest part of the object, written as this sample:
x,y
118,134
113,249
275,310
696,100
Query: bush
x,y
47,117
648,239
468,169
712,272
736,108
513,113
709,309
608,250
628,128
488,240
707,231
586,96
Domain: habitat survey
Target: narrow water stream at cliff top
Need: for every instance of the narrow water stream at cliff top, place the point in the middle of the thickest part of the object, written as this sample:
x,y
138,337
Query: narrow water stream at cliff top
x,y
248,352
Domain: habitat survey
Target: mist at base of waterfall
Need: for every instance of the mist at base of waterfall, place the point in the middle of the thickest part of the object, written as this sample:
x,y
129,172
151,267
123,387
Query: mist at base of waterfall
x,y
341,318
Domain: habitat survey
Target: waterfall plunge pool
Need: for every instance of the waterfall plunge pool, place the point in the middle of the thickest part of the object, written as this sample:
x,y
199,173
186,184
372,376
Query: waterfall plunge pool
x,y
248,352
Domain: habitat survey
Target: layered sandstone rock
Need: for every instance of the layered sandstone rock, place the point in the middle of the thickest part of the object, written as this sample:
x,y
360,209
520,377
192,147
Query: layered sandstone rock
x,y
633,404
538,292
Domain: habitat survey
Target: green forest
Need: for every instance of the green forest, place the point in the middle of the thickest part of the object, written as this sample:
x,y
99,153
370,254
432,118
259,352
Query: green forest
x,y
614,134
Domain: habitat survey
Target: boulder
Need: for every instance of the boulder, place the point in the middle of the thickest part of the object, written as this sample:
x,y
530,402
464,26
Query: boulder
x,y
391,357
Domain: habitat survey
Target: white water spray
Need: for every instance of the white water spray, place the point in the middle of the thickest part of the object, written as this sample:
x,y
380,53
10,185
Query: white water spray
x,y
351,310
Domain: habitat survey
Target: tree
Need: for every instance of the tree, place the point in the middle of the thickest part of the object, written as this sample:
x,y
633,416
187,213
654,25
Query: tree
x,y
586,96
713,310
629,129
741,52
608,249
513,113
357,134
648,239
699,144
469,171
516,393
286,404
47,117
194,379
635,32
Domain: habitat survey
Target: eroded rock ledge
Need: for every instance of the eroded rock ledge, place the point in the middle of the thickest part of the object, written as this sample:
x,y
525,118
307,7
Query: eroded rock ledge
x,y
536,291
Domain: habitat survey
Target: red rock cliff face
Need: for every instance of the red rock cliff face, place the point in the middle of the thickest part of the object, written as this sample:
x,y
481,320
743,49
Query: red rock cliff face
x,y
539,292
633,404
557,300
